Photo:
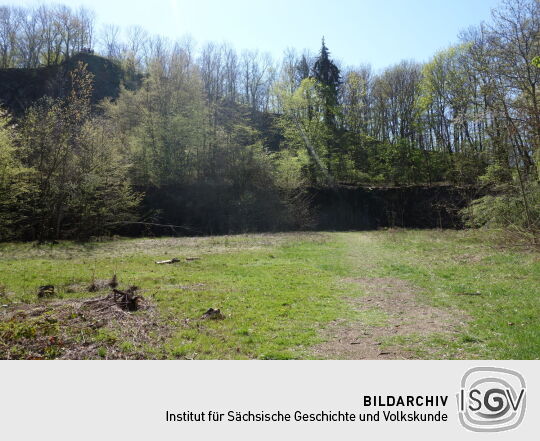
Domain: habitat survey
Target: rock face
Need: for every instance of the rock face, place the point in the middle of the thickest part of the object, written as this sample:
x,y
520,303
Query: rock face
x,y
367,208
20,88
335,209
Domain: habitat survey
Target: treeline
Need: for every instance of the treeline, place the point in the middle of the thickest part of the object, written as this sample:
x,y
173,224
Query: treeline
x,y
159,153
189,135
43,36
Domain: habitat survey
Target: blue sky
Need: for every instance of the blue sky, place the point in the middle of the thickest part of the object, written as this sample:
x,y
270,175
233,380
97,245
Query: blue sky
x,y
379,32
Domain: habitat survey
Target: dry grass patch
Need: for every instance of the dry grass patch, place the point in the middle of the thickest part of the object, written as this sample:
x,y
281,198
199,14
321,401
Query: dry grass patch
x,y
79,329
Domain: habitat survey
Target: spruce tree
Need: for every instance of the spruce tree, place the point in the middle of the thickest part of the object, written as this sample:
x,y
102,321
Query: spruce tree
x,y
329,78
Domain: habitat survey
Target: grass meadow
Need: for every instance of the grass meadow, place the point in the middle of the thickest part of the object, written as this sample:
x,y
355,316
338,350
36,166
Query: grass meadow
x,y
279,294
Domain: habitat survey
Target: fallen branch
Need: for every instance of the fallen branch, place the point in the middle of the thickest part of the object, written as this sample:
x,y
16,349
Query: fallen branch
x,y
126,300
169,261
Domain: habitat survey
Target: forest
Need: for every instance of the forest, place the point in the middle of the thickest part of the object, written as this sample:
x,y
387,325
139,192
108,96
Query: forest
x,y
206,139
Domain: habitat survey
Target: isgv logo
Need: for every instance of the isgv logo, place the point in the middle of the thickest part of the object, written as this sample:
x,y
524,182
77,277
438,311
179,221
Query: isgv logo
x,y
491,399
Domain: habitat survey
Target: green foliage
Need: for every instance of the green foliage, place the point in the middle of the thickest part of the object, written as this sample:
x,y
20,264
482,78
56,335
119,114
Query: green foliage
x,y
466,168
512,209
206,159
355,102
497,175
15,184
290,179
304,127
513,203
163,126
199,135
444,80
290,168
80,180
400,162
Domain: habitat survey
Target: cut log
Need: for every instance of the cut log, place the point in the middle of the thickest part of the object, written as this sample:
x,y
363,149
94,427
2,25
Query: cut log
x,y
213,314
173,260
46,291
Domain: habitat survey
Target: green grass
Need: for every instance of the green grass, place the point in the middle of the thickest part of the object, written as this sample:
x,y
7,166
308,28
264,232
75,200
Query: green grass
x,y
276,291
279,291
504,319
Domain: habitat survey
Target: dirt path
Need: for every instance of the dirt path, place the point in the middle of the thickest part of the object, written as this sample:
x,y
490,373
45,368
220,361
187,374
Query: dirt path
x,y
406,315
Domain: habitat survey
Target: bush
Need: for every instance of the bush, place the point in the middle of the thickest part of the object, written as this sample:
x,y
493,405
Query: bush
x,y
14,182
512,209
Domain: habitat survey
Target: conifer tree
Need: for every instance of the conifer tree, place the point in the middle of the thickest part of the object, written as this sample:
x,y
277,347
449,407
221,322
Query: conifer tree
x,y
329,78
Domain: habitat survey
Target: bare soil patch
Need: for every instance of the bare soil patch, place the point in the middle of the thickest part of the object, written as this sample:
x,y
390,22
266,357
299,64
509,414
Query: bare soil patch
x,y
406,315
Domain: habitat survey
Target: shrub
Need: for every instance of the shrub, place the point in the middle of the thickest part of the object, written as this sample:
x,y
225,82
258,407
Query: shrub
x,y
513,209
